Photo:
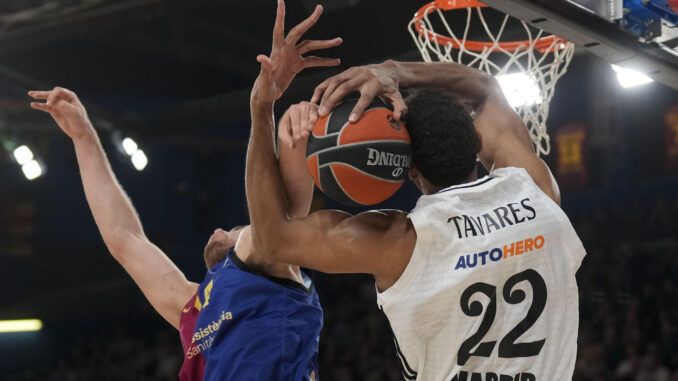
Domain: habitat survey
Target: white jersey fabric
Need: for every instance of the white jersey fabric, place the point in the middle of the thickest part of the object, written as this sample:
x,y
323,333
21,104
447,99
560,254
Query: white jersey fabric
x,y
490,291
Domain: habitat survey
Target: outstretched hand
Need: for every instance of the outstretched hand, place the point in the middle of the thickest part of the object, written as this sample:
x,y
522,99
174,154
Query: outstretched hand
x,y
285,61
66,110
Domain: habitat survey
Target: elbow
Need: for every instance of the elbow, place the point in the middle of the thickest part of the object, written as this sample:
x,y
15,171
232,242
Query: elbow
x,y
120,244
116,245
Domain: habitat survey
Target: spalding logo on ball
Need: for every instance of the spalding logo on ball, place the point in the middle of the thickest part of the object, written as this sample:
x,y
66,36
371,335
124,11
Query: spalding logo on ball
x,y
361,163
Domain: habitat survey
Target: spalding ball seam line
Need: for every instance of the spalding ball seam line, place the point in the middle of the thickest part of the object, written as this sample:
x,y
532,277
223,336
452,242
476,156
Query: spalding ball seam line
x,y
327,122
344,190
355,144
363,172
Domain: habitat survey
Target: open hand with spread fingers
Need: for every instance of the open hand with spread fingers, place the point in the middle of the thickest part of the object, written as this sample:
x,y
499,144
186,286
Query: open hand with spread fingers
x,y
66,110
286,58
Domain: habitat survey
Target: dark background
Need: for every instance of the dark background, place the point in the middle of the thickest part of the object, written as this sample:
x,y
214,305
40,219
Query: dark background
x,y
176,76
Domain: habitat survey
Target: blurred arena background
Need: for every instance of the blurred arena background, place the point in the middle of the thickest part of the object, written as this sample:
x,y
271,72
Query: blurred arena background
x,y
175,77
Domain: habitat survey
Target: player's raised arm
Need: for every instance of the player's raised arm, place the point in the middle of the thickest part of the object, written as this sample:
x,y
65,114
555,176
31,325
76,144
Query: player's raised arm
x,y
266,196
330,241
505,139
163,284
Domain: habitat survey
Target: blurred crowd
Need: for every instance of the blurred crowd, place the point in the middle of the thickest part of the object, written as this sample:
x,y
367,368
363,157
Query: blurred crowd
x,y
628,307
118,355
628,287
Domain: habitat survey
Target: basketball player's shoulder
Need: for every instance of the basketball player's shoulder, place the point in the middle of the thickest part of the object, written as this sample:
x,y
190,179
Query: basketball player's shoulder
x,y
508,171
392,239
392,226
512,174
384,219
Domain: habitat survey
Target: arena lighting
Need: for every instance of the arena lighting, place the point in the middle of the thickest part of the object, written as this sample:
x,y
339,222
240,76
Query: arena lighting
x,y
23,154
136,154
520,89
630,78
32,170
25,325
139,160
29,166
130,146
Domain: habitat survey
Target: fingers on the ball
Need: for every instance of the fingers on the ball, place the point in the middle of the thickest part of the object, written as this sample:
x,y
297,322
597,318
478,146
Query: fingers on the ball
x,y
327,85
342,91
303,118
309,45
311,118
295,33
399,111
312,114
360,106
328,98
318,92
339,93
399,106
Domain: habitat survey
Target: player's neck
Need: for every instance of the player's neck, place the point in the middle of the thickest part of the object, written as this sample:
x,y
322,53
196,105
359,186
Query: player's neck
x,y
473,176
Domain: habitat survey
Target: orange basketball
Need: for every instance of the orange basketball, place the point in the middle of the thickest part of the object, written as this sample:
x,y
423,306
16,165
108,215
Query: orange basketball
x,y
361,163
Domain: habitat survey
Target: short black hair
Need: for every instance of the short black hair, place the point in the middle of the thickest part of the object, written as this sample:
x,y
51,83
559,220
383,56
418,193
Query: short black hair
x,y
444,140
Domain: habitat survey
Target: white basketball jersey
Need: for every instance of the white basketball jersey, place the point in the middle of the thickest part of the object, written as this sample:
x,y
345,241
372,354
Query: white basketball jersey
x,y
490,291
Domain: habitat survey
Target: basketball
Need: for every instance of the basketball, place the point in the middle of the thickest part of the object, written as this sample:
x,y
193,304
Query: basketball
x,y
361,163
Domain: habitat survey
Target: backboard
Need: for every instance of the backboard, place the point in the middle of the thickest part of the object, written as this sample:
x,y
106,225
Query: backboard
x,y
635,34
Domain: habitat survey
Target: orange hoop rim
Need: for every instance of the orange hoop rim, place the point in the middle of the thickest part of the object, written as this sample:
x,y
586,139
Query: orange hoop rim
x,y
542,45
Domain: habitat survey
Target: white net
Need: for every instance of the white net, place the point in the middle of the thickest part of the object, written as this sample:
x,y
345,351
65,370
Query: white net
x,y
527,66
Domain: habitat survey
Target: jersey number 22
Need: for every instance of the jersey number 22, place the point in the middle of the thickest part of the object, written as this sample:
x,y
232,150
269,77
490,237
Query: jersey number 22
x,y
508,348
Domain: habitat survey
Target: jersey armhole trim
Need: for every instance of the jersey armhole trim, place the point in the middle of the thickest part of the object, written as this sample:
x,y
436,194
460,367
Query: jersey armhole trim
x,y
414,266
576,247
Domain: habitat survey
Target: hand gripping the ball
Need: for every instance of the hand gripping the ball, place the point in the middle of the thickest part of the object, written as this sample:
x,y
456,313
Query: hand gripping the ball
x,y
371,81
297,123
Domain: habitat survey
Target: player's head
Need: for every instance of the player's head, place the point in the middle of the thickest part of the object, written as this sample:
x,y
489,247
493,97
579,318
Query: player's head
x,y
444,140
220,242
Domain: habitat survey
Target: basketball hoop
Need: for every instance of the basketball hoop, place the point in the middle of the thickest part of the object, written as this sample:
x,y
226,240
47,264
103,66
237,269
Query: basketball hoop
x,y
527,62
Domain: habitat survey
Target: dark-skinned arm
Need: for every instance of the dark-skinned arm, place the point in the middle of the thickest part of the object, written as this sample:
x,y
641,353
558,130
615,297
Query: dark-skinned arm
x,y
330,241
266,197
505,139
